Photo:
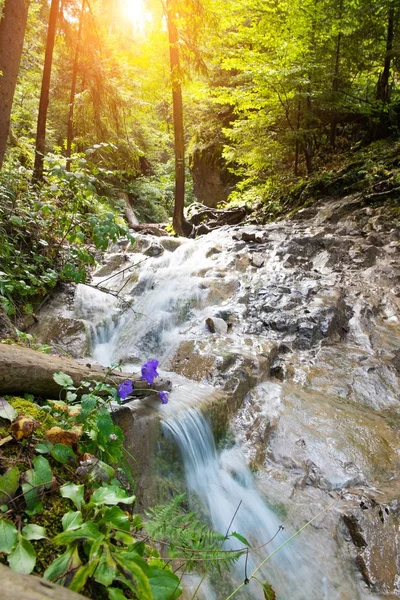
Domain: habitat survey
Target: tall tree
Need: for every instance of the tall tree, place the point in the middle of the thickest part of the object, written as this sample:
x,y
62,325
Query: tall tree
x,y
383,87
70,132
12,32
181,226
45,92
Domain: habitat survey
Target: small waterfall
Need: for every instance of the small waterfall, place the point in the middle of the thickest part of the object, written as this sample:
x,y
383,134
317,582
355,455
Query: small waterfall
x,y
223,481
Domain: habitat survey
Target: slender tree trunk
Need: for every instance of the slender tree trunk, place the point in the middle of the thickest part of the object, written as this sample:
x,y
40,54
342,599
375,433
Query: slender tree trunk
x,y
383,88
45,92
70,131
296,158
335,80
181,226
12,32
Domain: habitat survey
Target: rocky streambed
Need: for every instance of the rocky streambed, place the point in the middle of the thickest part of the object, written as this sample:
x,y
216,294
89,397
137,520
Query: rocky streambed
x,y
289,336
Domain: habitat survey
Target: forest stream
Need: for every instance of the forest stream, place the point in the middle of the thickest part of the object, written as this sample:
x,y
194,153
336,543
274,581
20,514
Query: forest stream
x,y
281,342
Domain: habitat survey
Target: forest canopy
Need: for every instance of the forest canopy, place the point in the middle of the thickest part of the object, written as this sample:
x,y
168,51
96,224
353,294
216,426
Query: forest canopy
x,y
162,102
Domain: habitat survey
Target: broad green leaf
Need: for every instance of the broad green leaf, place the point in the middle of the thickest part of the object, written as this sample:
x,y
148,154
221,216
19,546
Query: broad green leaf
x,y
241,538
43,470
9,483
7,411
35,480
82,575
8,535
71,396
117,518
43,447
72,520
62,453
111,495
123,537
105,572
63,379
134,575
73,492
65,563
116,594
88,532
164,584
23,558
88,403
33,532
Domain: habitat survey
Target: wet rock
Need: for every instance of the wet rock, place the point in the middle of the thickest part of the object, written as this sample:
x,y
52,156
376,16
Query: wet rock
x,y
253,236
154,250
257,260
63,332
213,250
216,325
170,243
113,263
375,534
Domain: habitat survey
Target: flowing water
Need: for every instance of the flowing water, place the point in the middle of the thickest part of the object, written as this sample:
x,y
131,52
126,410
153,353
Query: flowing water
x,y
302,366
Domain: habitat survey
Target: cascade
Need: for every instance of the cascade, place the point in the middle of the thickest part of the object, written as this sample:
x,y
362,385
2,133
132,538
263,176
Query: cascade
x,y
305,372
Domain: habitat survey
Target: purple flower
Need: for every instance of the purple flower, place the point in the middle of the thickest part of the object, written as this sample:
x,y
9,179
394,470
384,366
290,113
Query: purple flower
x,y
164,397
125,388
149,371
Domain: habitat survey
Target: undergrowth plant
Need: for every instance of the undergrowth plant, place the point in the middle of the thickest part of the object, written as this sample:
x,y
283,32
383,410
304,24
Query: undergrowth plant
x,y
50,233
67,498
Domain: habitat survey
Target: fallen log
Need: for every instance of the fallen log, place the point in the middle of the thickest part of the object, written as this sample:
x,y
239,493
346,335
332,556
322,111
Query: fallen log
x,y
23,370
15,586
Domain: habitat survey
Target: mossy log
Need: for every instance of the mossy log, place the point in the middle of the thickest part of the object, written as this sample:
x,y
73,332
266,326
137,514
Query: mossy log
x,y
23,370
15,586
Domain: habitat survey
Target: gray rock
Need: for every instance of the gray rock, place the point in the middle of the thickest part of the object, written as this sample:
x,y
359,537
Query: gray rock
x,y
257,260
216,325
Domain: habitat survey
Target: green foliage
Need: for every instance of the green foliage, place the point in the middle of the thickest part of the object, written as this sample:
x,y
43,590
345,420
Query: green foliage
x,y
187,537
46,232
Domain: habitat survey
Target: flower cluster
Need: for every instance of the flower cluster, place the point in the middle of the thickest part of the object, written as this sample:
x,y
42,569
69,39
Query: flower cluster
x,y
149,373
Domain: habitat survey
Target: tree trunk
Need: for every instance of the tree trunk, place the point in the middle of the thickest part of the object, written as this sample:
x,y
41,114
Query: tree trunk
x,y
180,224
15,586
23,370
70,131
383,88
45,92
335,80
12,32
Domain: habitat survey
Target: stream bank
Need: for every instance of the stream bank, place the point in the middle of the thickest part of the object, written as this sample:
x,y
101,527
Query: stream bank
x,y
288,335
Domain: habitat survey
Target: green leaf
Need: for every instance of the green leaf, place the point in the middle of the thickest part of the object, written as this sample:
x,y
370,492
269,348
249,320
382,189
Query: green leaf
x,y
111,495
106,570
62,453
23,558
134,575
73,492
7,411
71,396
88,403
117,518
33,532
35,480
88,532
9,483
72,520
269,593
82,575
43,447
8,535
43,470
65,563
164,584
241,538
63,379
116,594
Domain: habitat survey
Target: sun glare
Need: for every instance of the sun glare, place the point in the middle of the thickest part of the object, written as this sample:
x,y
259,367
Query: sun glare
x,y
136,12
